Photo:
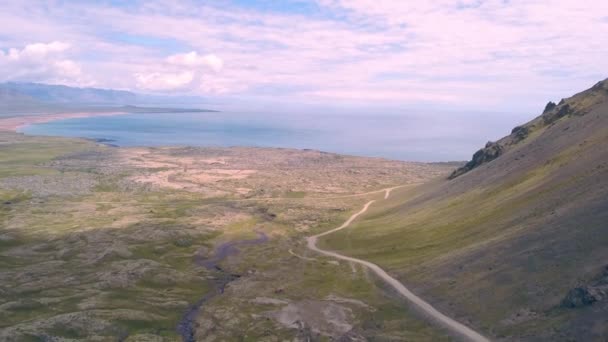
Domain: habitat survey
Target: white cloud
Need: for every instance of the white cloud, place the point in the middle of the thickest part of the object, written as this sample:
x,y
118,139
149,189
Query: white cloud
x,y
193,59
470,53
184,72
42,62
68,68
157,81
38,50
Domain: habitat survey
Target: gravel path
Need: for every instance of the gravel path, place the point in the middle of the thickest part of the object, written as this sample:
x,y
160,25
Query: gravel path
x,y
446,322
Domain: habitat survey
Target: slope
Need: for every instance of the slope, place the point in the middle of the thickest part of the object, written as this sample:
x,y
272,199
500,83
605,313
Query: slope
x,y
517,245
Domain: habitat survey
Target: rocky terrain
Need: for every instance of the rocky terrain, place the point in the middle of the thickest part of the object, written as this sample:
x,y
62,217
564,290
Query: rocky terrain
x,y
150,244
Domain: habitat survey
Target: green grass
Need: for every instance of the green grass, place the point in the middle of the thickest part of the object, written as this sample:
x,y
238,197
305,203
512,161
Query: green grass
x,y
398,237
60,330
9,199
27,157
300,280
106,186
451,247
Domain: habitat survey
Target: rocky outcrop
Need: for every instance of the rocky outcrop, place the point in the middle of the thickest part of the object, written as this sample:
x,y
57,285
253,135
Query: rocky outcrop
x,y
520,133
577,105
557,113
491,151
549,107
586,295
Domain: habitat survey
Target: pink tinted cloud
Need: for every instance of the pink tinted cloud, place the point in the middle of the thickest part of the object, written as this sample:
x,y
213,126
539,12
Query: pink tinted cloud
x,y
465,53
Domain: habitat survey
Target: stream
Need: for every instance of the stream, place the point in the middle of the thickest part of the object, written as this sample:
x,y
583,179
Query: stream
x,y
186,326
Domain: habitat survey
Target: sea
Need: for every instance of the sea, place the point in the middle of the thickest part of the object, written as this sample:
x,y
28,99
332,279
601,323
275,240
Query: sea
x,y
427,137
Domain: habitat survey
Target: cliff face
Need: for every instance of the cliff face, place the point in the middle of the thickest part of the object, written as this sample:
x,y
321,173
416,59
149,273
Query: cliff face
x,y
577,105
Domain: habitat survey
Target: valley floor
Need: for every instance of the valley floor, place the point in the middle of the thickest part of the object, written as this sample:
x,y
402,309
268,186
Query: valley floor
x,y
145,244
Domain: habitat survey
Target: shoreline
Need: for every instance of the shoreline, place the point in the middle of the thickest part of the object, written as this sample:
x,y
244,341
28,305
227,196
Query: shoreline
x,y
13,124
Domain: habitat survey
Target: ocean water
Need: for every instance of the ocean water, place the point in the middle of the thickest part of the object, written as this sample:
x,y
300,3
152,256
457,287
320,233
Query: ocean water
x,y
413,137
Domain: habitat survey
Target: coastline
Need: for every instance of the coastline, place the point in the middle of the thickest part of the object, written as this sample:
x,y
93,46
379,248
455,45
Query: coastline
x,y
13,124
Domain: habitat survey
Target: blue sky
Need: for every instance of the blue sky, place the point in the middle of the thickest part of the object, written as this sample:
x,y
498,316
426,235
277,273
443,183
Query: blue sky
x,y
494,55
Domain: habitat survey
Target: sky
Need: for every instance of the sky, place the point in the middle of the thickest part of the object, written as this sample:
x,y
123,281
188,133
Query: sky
x,y
495,55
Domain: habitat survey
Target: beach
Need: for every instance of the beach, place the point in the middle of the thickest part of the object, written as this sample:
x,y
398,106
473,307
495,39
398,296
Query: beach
x,y
12,124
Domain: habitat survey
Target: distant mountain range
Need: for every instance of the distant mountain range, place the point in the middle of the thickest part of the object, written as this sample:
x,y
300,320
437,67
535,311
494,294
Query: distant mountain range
x,y
16,98
47,93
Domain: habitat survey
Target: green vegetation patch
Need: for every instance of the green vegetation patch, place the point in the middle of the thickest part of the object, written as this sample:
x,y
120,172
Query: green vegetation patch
x,y
26,157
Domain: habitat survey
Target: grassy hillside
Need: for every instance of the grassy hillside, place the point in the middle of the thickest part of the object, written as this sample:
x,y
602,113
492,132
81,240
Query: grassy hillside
x,y
516,245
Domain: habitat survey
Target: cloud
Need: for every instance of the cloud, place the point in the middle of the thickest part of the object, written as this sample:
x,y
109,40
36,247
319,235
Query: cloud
x,y
37,51
193,59
185,72
468,53
68,68
43,62
157,81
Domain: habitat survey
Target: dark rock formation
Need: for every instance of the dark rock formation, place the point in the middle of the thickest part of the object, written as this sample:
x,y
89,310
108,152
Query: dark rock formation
x,y
520,133
587,295
492,151
549,107
580,296
563,110
577,105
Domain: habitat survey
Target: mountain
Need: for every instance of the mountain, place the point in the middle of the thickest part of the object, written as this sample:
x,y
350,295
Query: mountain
x,y
578,105
46,93
61,94
515,243
37,98
8,95
14,102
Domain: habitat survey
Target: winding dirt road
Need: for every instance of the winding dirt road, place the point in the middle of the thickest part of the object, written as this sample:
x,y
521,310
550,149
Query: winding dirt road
x,y
444,321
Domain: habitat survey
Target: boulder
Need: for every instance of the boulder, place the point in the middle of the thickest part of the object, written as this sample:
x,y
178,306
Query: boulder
x,y
583,296
549,107
520,133
594,291
491,151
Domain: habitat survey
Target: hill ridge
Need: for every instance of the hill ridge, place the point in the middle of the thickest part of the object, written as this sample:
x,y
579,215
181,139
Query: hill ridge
x,y
576,105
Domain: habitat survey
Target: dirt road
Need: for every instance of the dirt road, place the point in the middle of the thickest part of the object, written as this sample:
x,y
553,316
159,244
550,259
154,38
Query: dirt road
x,y
453,326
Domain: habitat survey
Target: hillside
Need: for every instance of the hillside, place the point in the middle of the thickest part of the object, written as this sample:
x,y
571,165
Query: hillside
x,y
577,105
515,244
12,96
46,93
35,98
17,99
12,100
